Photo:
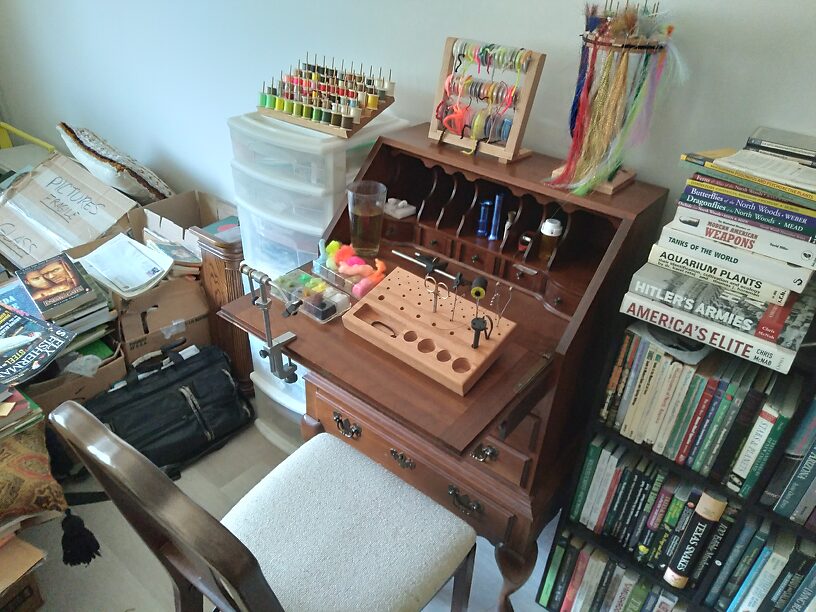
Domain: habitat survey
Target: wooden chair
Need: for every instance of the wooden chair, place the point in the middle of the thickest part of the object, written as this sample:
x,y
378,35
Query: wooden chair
x,y
328,529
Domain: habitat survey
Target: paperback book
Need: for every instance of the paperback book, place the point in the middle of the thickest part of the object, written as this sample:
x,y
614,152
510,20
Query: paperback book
x,y
56,286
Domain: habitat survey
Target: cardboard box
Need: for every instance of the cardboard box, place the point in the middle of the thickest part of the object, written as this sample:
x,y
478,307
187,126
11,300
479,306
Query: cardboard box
x,y
23,596
174,216
171,311
58,205
49,394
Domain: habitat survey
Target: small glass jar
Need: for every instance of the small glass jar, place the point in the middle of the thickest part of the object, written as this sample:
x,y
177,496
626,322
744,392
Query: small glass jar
x,y
551,231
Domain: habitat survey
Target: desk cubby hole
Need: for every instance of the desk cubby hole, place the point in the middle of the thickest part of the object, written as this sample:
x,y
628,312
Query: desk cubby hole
x,y
442,191
463,199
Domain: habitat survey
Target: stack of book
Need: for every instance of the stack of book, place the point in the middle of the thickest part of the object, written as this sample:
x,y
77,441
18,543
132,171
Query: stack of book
x,y
17,412
733,269
185,262
722,417
62,292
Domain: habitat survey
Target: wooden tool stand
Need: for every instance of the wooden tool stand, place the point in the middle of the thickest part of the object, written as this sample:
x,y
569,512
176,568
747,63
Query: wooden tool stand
x,y
367,116
501,454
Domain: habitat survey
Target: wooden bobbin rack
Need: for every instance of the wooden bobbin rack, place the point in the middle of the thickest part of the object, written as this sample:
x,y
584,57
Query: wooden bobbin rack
x,y
455,63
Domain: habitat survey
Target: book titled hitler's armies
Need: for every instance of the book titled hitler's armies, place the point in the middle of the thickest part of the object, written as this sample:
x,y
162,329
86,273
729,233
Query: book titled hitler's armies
x,y
785,325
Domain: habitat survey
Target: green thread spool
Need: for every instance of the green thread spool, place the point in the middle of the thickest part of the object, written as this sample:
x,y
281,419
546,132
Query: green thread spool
x,y
262,98
336,118
271,100
317,114
307,111
279,103
288,106
297,111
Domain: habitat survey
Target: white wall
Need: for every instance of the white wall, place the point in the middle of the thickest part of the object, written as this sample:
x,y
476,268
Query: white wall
x,y
159,79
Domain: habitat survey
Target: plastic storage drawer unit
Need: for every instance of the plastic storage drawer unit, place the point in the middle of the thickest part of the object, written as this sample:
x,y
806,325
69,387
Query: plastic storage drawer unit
x,y
293,153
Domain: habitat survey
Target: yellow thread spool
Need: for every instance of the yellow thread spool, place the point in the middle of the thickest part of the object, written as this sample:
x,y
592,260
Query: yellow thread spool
x,y
373,101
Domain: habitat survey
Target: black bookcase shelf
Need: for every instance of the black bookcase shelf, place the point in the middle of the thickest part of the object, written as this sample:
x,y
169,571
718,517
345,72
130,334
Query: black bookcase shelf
x,y
747,506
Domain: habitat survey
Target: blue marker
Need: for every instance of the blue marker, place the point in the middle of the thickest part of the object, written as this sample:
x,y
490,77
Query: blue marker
x,y
484,219
495,227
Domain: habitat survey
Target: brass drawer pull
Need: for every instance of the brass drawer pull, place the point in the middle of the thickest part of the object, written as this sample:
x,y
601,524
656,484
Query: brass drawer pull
x,y
348,429
404,461
463,503
485,453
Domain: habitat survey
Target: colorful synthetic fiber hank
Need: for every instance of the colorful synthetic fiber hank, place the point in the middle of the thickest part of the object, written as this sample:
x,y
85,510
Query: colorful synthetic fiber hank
x,y
613,112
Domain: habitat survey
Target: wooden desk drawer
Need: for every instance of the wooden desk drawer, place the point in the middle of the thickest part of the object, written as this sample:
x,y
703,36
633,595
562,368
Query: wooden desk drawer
x,y
498,458
434,240
560,299
477,258
346,423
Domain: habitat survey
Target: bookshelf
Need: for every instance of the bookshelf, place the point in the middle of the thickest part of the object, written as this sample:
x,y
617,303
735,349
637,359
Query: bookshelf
x,y
693,598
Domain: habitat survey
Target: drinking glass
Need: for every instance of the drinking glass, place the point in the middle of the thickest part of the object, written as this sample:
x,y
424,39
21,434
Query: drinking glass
x,y
365,205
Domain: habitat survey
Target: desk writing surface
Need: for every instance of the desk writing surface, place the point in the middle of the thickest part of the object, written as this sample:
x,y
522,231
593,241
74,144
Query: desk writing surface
x,y
382,381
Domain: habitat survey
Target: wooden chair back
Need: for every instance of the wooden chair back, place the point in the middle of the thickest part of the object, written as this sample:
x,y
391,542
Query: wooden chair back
x,y
200,554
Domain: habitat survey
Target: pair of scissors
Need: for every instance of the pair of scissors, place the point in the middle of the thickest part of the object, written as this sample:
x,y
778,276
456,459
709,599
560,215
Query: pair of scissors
x,y
435,288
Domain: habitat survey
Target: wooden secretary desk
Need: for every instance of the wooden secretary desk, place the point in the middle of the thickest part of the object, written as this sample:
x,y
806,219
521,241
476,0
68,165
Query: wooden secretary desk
x,y
501,455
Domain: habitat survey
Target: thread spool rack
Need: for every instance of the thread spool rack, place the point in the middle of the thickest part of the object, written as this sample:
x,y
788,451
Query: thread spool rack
x,y
397,317
327,99
456,84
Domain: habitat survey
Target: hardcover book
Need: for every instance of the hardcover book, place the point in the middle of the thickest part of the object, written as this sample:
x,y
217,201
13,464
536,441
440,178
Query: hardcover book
x,y
56,286
756,350
789,276
785,325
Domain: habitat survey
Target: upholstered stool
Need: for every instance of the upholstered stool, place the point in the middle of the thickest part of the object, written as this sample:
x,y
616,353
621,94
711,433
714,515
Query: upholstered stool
x,y
333,530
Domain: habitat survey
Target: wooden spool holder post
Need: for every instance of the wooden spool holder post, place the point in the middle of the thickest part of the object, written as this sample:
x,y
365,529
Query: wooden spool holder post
x,y
397,316
511,150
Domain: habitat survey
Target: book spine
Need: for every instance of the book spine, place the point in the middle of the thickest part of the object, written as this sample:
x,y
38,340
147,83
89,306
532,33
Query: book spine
x,y
678,239
753,574
577,577
806,505
764,454
637,597
784,471
739,215
762,208
763,582
710,433
650,363
677,532
799,483
587,472
712,548
666,602
552,571
627,584
645,513
631,495
804,595
732,559
631,383
743,236
740,572
721,431
610,494
723,277
788,581
674,409
612,590
697,417
563,577
753,349
705,425
624,379
738,432
693,541
614,379
617,500
787,189
684,416
750,450
713,178
663,397
603,586
594,483
778,146
635,510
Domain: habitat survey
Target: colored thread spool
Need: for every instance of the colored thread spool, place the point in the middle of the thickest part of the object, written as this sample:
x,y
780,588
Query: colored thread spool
x,y
327,115
288,106
297,108
389,88
279,103
307,109
478,287
262,98
336,117
356,114
317,113
347,122
373,101
271,100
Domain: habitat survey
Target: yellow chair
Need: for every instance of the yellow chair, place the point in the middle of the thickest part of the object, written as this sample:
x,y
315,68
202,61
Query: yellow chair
x,y
5,137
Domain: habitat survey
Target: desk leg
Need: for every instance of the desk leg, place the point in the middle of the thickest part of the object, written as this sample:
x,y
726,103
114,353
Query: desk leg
x,y
310,427
515,570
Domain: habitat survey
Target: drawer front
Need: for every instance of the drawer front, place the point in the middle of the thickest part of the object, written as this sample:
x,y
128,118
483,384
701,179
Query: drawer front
x,y
558,298
498,458
345,423
434,240
524,276
477,258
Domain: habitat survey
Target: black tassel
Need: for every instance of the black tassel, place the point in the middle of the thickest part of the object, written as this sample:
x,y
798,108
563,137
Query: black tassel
x,y
79,545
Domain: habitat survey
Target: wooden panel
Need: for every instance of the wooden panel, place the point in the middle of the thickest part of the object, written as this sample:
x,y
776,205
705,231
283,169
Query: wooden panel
x,y
494,456
407,462
561,299
524,276
435,240
478,258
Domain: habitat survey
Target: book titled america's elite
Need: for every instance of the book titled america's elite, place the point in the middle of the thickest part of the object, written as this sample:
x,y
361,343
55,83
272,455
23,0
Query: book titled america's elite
x,y
784,325
27,345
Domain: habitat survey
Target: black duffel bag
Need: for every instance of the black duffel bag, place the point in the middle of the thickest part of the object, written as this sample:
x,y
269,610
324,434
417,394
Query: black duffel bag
x,y
177,413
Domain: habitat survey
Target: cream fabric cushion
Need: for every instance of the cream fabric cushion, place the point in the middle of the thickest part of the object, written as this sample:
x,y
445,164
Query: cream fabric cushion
x,y
333,530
